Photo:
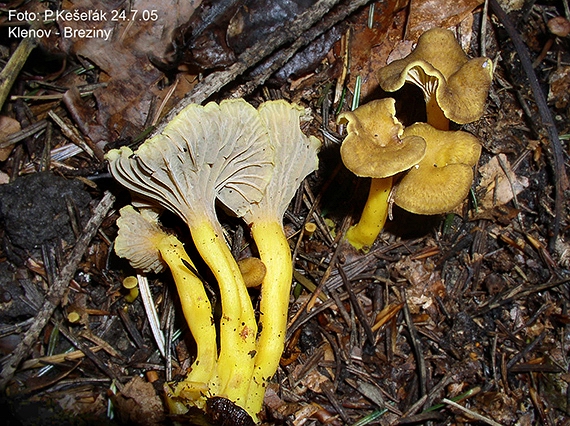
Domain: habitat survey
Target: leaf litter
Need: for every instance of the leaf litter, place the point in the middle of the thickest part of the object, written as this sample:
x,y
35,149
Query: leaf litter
x,y
468,312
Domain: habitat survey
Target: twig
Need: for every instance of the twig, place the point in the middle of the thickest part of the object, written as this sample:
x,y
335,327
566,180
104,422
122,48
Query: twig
x,y
526,350
131,328
511,295
56,291
283,56
337,356
416,344
471,413
328,390
10,72
304,316
75,137
106,369
484,18
169,326
23,134
357,306
561,178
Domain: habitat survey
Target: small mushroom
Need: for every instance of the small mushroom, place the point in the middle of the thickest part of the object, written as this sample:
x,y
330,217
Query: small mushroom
x,y
295,157
252,270
148,247
455,87
375,147
131,284
441,180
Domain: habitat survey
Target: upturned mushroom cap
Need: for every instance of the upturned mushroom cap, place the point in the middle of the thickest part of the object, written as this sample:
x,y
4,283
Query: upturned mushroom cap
x,y
138,239
205,152
440,68
374,146
294,158
441,181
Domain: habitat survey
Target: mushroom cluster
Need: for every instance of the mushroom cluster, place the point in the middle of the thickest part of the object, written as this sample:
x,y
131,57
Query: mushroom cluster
x,y
433,165
252,162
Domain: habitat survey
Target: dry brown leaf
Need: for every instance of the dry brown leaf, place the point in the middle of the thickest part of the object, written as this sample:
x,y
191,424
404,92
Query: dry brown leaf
x,y
425,281
139,403
369,47
82,405
7,127
304,413
313,380
497,185
426,14
4,178
124,54
559,93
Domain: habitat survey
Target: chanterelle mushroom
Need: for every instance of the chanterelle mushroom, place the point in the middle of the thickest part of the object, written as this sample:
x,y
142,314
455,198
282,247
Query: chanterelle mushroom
x,y
455,87
441,180
376,147
215,151
149,248
295,156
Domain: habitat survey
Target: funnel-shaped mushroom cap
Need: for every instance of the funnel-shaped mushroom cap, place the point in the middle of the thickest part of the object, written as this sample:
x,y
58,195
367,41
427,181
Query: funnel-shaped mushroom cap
x,y
295,157
204,152
440,68
374,146
441,181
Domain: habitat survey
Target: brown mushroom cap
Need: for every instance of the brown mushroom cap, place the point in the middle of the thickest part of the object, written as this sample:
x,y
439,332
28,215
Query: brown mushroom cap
x,y
440,68
374,147
441,181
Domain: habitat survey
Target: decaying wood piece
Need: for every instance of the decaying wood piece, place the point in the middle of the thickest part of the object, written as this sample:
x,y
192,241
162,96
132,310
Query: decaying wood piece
x,y
57,290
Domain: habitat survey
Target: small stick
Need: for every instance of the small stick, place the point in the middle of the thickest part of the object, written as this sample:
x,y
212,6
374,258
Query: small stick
x,y
306,37
357,306
32,129
83,347
471,413
416,344
484,28
131,328
56,291
10,72
75,137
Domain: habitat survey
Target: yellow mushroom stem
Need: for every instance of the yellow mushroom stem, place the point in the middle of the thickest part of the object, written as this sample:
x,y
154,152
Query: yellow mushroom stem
x,y
275,253
238,328
202,377
374,214
434,114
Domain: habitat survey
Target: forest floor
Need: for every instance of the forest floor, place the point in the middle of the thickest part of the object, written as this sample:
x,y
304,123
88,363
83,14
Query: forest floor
x,y
459,318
